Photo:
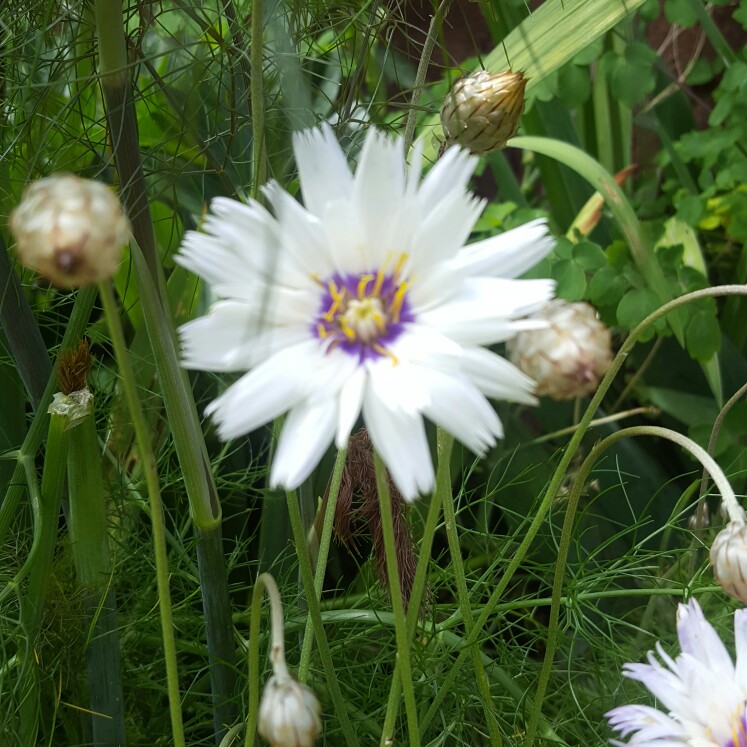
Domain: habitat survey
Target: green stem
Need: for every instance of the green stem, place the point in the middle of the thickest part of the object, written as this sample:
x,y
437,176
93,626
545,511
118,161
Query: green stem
x,y
304,562
148,462
425,59
442,492
259,147
395,592
735,514
73,332
465,606
321,562
93,564
559,474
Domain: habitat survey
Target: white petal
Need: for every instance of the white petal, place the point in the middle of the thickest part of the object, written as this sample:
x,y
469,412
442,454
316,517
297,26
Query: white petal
x,y
351,401
399,438
740,639
228,339
451,172
458,406
305,245
322,168
496,377
427,346
481,312
307,433
509,254
697,637
378,191
443,233
276,385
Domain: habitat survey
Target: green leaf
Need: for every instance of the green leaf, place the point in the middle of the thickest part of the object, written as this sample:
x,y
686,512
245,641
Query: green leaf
x,y
574,85
703,335
606,287
571,280
679,12
589,255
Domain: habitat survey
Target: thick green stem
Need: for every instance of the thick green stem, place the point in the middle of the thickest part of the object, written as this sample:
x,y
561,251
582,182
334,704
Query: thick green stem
x,y
73,332
259,147
304,562
321,561
395,592
734,509
148,462
92,557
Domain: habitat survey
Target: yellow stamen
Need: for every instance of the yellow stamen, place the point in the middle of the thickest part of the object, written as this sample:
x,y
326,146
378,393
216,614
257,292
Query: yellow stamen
x,y
347,329
395,308
362,283
321,330
380,323
380,276
383,351
338,297
400,263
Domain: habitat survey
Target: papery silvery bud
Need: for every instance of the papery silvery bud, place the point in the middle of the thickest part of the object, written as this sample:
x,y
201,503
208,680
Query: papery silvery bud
x,y
289,713
70,230
729,559
481,112
567,358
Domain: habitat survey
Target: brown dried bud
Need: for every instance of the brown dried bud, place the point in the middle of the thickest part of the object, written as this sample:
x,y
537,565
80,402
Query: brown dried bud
x,y
729,559
289,713
70,230
481,112
567,358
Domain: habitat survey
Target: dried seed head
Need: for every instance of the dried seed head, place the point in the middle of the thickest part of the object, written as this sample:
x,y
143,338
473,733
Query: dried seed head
x,y
70,230
729,559
481,112
73,368
289,713
567,358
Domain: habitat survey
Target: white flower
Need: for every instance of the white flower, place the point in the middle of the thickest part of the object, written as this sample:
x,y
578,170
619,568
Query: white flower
x,y
729,559
704,693
289,712
365,300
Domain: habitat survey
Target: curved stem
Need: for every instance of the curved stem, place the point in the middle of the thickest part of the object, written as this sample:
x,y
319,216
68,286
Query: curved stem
x,y
395,592
736,513
154,494
559,474
265,583
725,410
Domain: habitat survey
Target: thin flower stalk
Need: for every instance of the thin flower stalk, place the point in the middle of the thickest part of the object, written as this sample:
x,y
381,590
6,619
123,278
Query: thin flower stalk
x,y
307,576
400,621
156,508
559,475
465,605
321,561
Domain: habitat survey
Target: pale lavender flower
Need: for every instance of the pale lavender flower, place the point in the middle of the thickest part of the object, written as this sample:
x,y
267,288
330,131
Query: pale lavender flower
x,y
703,691
363,301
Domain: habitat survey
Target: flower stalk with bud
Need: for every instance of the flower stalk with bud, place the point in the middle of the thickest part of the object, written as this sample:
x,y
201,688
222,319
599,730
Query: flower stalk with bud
x,y
289,714
482,111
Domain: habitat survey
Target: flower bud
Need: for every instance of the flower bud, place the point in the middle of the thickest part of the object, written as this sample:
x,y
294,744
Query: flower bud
x,y
70,230
729,559
567,358
289,713
481,112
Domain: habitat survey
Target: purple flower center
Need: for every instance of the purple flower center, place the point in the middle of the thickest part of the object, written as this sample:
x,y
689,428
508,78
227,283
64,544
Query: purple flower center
x,y
363,314
738,732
